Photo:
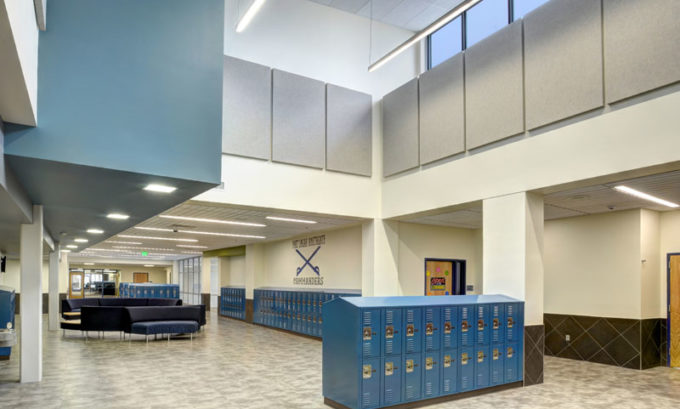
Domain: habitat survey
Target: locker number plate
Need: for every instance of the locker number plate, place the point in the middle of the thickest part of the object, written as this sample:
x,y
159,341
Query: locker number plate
x,y
409,365
410,331
447,328
447,361
389,332
389,368
367,334
464,358
429,329
429,363
367,370
480,356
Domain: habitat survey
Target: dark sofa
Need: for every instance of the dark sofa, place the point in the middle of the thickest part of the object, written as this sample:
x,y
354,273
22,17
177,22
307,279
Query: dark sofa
x,y
164,320
74,305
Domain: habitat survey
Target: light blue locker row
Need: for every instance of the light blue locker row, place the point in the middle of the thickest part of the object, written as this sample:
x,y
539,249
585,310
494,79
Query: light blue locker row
x,y
297,310
148,290
233,302
407,349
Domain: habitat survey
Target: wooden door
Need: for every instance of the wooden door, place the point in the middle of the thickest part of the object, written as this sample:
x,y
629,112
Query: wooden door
x,y
140,277
439,276
76,287
674,311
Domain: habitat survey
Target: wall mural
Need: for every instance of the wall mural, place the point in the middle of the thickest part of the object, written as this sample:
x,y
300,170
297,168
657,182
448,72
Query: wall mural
x,y
307,248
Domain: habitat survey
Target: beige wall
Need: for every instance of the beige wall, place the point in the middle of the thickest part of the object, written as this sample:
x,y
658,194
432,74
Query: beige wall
x,y
157,275
652,306
419,241
669,242
233,271
12,276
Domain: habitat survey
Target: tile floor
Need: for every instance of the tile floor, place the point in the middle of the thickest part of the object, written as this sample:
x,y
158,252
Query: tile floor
x,y
237,365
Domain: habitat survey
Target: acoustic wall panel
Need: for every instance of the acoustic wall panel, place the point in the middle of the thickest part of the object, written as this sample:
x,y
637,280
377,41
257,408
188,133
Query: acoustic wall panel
x,y
494,87
563,60
246,109
348,130
641,46
400,129
442,110
299,120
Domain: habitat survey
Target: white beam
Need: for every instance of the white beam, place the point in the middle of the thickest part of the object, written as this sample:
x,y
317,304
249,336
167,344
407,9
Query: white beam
x,y
31,298
53,291
41,13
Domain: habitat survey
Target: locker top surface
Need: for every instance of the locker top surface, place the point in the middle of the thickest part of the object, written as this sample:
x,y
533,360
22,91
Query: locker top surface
x,y
6,289
240,287
425,301
311,290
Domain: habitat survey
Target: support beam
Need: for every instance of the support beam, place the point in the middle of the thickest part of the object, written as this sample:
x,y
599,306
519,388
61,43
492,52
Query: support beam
x,y
380,258
31,298
53,290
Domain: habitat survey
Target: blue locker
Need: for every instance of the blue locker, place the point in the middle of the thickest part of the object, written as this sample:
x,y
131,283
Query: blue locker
x,y
412,330
432,318
392,321
482,324
448,327
497,367
466,370
391,390
370,333
497,320
512,322
370,383
431,377
467,336
412,377
482,366
449,371
513,367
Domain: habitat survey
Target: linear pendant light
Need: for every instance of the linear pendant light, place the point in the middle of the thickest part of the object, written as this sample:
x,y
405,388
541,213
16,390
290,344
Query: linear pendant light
x,y
439,23
249,14
645,196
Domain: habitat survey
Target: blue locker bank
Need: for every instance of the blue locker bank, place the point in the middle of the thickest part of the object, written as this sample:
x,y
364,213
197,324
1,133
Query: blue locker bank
x,y
384,351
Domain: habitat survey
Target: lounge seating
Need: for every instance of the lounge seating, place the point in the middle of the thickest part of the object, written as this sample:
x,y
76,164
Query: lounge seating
x,y
164,320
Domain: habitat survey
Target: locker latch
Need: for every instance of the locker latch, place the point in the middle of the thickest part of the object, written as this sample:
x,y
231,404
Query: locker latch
x,y
510,352
429,363
447,361
496,354
429,328
389,332
447,327
511,322
464,326
410,365
368,371
464,358
410,330
367,334
480,325
496,323
389,368
480,356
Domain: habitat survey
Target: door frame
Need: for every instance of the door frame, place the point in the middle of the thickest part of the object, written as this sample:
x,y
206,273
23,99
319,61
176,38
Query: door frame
x,y
668,307
462,278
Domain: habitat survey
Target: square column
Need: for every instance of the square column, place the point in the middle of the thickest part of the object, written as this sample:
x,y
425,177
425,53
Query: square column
x,y
254,275
380,258
53,291
31,298
513,266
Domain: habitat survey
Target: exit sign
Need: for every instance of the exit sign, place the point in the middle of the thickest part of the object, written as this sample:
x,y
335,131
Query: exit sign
x,y
145,253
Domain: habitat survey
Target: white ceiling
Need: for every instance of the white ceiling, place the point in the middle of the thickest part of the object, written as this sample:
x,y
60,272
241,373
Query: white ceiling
x,y
120,247
412,15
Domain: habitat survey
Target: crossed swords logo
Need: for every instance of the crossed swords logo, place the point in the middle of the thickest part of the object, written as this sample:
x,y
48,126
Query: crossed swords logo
x,y
308,262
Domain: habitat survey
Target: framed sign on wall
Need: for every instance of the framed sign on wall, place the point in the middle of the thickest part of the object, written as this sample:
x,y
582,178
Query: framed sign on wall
x,y
444,276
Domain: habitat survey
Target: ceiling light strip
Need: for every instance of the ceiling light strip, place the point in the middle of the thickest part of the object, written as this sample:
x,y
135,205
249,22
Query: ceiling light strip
x,y
286,219
441,22
249,15
200,219
645,196
130,236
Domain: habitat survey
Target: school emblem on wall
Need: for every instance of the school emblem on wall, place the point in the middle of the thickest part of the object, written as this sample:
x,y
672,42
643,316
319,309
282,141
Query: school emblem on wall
x,y
308,273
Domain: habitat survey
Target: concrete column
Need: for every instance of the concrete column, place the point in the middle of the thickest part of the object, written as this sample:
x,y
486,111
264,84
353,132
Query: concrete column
x,y
513,251
53,290
254,268
31,298
380,258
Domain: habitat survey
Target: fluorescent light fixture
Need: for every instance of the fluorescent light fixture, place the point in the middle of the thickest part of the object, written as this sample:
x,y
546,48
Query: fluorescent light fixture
x,y
148,265
645,196
439,23
191,252
211,233
118,216
142,248
129,236
249,14
66,251
192,247
160,188
79,240
153,229
72,246
123,242
95,231
202,220
285,219
89,264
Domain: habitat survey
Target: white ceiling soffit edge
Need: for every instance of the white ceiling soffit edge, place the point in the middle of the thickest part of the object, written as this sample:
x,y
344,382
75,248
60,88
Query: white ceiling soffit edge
x,y
47,238
41,13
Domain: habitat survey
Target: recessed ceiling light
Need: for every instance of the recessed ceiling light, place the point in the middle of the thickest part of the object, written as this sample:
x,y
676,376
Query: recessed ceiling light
x,y
199,219
95,231
285,219
66,251
72,246
192,247
153,187
129,236
122,242
118,216
210,233
89,264
142,248
645,196
79,240
153,228
148,265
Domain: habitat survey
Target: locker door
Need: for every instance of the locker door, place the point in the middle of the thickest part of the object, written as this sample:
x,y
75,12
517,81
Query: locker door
x,y
482,367
432,374
512,366
482,324
449,371
413,319
466,369
432,318
370,326
497,370
512,320
370,383
467,336
412,377
391,381
392,331
448,327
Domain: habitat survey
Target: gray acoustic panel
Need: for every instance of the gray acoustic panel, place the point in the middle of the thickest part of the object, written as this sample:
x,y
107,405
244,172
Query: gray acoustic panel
x,y
348,130
299,120
563,60
641,46
494,87
246,109
400,129
442,110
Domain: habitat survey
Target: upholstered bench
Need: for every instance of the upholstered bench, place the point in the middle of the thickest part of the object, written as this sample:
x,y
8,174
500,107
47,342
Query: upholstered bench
x,y
163,320
164,327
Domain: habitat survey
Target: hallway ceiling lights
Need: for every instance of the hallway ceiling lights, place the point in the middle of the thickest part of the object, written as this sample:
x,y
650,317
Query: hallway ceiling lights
x,y
645,196
72,246
199,219
249,14
118,216
148,265
439,23
192,247
95,231
79,240
285,219
130,236
209,233
123,242
160,188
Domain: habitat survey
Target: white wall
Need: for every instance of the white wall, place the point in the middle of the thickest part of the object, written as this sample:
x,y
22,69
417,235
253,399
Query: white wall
x,y
418,242
653,306
12,276
233,271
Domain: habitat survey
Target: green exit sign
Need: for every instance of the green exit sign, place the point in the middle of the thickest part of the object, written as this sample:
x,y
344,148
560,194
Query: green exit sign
x,y
145,253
